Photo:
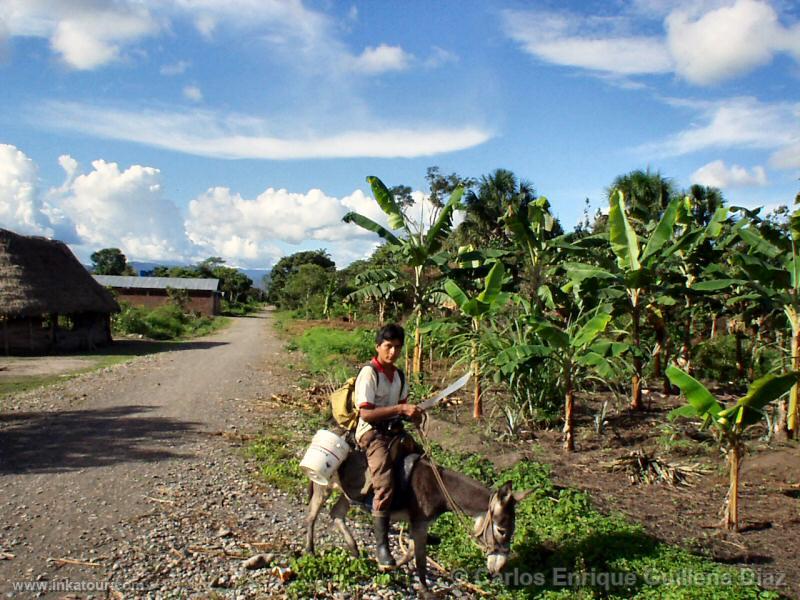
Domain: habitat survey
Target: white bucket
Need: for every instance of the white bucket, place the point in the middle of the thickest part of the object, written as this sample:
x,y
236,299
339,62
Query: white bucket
x,y
326,452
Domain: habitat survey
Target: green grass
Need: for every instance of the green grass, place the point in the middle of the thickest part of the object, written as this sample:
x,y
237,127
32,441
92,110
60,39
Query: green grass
x,y
335,353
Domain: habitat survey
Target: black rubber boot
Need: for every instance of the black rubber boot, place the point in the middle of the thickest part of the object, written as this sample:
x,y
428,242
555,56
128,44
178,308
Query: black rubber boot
x,y
381,524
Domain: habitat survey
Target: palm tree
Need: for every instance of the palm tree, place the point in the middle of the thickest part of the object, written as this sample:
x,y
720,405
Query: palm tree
x,y
648,194
486,206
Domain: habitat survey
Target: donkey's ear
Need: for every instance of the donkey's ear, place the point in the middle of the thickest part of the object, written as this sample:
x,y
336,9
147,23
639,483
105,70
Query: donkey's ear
x,y
505,492
520,496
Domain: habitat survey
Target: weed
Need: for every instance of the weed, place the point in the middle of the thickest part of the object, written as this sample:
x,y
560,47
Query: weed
x,y
279,464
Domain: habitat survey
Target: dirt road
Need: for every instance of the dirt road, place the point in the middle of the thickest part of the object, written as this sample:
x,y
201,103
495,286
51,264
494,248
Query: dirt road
x,y
85,465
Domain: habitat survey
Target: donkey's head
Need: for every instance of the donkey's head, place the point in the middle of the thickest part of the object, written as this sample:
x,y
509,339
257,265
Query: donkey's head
x,y
495,530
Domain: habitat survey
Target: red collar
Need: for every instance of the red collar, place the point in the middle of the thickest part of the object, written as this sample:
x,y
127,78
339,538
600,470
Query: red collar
x,y
380,368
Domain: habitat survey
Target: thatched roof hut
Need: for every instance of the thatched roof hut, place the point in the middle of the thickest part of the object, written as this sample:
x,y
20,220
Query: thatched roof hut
x,y
40,276
48,300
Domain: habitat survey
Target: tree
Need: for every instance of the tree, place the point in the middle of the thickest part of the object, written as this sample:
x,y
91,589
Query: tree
x,y
308,282
729,424
288,264
110,261
418,245
648,194
378,286
486,206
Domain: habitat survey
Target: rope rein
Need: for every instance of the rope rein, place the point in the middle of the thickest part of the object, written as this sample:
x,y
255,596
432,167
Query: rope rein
x,y
461,516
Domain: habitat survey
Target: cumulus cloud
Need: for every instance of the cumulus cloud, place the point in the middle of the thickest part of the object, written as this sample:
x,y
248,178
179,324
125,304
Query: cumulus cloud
x,y
742,122
20,205
751,32
718,174
127,208
193,93
381,59
702,42
205,133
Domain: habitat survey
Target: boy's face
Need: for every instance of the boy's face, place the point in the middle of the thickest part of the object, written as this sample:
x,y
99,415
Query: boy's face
x,y
388,351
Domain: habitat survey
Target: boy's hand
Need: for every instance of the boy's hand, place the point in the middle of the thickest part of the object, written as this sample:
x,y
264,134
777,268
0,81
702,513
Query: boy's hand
x,y
411,411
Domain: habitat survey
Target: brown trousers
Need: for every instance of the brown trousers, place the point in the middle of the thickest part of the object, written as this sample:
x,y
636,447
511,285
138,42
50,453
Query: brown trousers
x,y
376,446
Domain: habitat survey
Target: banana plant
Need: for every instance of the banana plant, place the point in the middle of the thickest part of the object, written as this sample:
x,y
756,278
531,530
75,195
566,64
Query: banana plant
x,y
636,271
575,349
729,424
529,228
416,245
773,269
490,299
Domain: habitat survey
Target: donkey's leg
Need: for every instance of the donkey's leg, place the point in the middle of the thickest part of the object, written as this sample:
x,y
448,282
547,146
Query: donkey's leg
x,y
318,495
419,533
339,514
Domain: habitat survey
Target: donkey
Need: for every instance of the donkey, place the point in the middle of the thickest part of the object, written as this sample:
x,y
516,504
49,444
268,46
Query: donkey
x,y
420,502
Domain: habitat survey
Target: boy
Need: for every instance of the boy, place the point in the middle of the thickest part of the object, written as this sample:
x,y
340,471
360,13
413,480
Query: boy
x,y
381,395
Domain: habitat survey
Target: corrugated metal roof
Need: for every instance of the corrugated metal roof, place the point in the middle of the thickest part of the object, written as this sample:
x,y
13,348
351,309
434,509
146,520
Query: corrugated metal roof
x,y
158,283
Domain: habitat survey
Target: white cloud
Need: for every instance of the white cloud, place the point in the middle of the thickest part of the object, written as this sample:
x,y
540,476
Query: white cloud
x,y
193,93
20,206
126,209
176,68
381,59
737,123
702,42
728,40
86,34
109,206
594,44
718,174
787,157
205,133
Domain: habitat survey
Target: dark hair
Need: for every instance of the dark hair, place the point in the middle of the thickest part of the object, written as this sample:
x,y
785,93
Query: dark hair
x,y
392,332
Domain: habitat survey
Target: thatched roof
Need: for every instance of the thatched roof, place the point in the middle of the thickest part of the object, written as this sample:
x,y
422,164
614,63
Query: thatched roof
x,y
40,276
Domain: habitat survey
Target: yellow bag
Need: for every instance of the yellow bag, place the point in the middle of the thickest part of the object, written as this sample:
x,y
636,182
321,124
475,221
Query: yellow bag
x,y
343,408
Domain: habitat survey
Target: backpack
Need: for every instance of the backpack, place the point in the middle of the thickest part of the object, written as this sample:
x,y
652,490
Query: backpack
x,y
343,407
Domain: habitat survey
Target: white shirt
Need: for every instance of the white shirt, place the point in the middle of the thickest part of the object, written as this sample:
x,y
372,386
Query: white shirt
x,y
376,392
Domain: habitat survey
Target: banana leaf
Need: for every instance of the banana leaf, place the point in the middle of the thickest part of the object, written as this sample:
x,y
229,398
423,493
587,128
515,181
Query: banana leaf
x,y
624,241
663,231
590,330
698,397
387,203
760,393
370,225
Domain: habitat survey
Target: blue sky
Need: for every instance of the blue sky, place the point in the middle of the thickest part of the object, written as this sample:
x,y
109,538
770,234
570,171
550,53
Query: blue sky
x,y
180,129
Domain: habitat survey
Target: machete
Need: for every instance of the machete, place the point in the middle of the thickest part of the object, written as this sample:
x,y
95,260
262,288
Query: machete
x,y
456,385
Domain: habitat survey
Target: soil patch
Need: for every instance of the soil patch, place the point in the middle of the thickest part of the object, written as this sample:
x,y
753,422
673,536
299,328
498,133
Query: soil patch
x,y
39,366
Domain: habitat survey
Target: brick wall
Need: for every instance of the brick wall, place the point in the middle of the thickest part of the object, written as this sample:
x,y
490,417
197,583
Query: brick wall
x,y
205,303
